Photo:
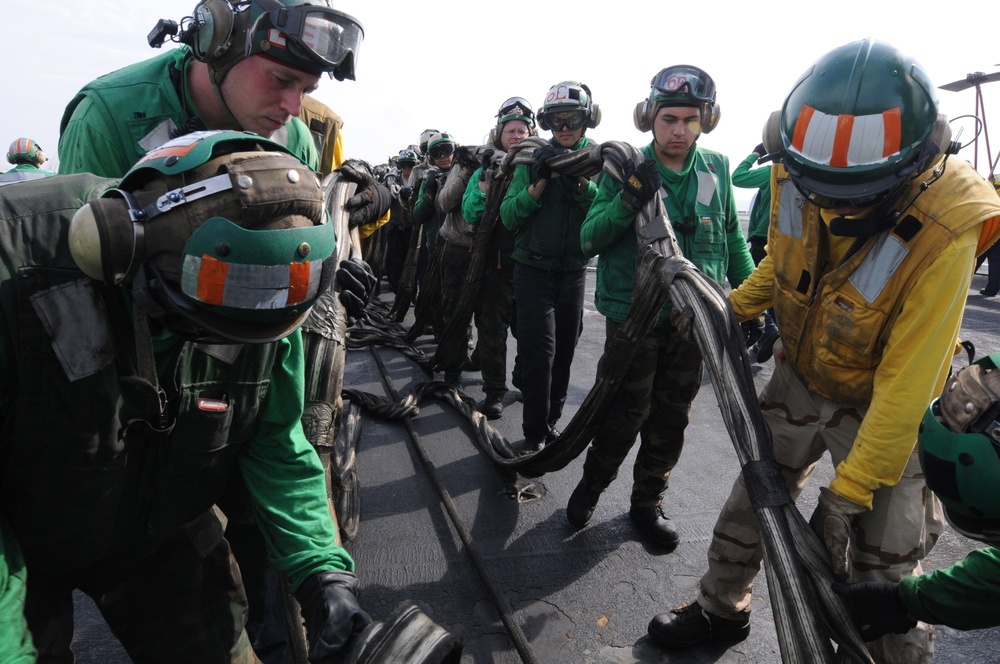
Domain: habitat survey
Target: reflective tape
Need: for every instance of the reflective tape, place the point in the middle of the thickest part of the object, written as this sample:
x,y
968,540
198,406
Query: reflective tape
x,y
240,286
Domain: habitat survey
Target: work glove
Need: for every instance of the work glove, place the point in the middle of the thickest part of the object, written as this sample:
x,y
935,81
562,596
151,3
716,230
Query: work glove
x,y
466,156
486,158
760,150
833,521
539,170
764,348
370,200
357,285
405,193
640,185
877,608
332,615
432,182
752,329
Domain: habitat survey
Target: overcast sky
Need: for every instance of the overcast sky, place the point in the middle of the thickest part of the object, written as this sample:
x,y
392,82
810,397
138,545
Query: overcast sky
x,y
449,64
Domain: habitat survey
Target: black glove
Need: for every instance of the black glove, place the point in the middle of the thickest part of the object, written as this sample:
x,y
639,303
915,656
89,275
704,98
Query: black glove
x,y
370,200
357,284
760,150
752,329
332,615
432,182
877,608
640,185
369,205
466,156
486,159
539,170
405,193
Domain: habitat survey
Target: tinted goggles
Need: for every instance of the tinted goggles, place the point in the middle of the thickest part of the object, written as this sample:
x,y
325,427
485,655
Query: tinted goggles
x,y
319,36
441,150
566,119
682,82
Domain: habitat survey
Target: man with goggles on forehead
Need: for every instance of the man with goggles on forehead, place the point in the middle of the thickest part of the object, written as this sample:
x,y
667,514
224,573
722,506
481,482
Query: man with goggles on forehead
x,y
242,65
654,401
544,211
872,241
494,307
246,65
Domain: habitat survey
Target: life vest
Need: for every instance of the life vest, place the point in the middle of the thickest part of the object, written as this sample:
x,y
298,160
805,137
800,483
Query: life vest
x,y
835,321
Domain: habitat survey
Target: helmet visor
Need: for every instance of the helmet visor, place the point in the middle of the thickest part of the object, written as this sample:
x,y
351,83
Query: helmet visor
x,y
319,37
682,83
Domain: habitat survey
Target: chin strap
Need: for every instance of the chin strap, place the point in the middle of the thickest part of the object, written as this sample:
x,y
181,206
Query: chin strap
x,y
883,218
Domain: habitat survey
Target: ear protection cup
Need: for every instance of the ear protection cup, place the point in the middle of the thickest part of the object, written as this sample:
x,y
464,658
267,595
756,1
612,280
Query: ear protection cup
x,y
104,241
941,136
710,116
771,134
211,34
594,116
640,116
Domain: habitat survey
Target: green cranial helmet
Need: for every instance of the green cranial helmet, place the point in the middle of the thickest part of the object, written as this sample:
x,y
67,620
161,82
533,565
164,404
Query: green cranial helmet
x,y
25,151
407,158
222,235
440,145
305,34
959,444
569,96
862,120
680,85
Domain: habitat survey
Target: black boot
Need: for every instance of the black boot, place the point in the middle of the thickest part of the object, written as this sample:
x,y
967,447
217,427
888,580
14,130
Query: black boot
x,y
581,505
693,626
654,525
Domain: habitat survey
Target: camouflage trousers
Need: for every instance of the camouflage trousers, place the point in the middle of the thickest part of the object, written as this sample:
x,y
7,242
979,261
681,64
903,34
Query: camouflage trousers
x,y
889,541
654,402
183,603
494,310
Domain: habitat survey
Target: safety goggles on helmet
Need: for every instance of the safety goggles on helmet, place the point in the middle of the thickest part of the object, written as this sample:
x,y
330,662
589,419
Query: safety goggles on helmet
x,y
310,36
682,83
440,150
516,108
566,119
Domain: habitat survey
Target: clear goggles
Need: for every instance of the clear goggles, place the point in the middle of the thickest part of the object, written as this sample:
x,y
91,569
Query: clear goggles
x,y
325,38
682,82
441,150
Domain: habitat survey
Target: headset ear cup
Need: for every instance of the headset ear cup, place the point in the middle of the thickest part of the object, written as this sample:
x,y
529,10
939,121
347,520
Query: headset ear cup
x,y
214,28
102,240
542,122
941,135
713,114
771,135
639,116
594,116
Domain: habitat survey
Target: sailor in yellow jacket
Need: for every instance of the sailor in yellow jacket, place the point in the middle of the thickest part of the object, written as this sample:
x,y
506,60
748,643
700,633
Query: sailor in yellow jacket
x,y
873,237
